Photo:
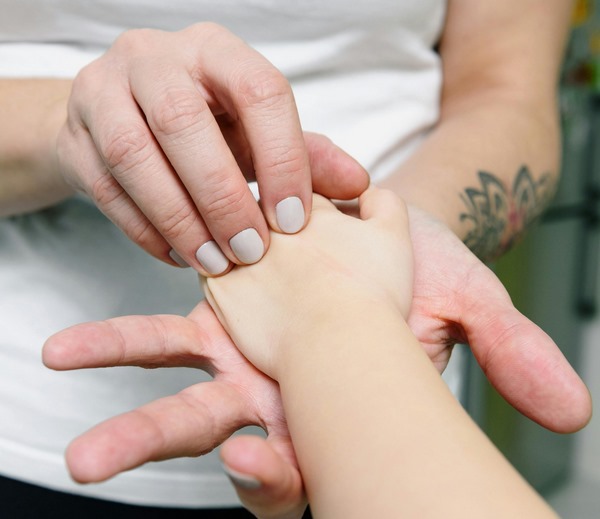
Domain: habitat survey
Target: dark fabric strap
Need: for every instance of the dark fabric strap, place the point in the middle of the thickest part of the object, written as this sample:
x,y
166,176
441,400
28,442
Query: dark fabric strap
x,y
19,500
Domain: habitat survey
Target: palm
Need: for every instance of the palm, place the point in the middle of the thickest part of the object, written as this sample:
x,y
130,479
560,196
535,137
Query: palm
x,y
456,299
245,395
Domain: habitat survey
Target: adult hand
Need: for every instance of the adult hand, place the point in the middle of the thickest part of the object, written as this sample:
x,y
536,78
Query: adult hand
x,y
455,299
192,422
458,299
165,130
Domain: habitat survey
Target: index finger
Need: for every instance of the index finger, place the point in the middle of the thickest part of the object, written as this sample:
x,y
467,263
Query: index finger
x,y
252,89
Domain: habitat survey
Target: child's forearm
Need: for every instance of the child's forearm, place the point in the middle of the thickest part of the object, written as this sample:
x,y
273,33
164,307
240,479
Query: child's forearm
x,y
377,432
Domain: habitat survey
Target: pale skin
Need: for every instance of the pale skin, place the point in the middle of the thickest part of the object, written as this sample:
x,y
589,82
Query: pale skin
x,y
142,122
520,363
446,308
342,357
375,429
500,62
490,88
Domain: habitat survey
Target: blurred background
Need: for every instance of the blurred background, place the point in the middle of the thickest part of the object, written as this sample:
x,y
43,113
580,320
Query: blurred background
x,y
552,277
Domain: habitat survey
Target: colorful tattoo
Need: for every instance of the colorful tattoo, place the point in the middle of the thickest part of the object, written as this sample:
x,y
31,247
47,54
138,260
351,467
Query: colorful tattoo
x,y
498,216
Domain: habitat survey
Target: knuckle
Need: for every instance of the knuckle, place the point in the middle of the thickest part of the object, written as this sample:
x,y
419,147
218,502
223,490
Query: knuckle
x,y
85,78
266,87
178,222
111,198
207,34
177,112
142,232
126,148
86,89
210,29
224,205
134,41
286,162
107,192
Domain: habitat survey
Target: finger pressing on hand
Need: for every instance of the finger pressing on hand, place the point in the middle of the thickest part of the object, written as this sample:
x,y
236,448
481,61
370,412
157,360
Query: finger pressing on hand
x,y
132,181
253,91
216,193
268,485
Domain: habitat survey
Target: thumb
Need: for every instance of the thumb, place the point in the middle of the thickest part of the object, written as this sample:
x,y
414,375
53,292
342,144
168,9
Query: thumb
x,y
335,174
527,368
268,485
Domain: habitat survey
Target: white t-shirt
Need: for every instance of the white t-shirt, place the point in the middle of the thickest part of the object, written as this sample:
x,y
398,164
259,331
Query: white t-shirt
x,y
363,73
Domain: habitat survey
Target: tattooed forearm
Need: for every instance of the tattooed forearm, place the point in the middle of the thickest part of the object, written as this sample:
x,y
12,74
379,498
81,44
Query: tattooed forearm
x,y
498,216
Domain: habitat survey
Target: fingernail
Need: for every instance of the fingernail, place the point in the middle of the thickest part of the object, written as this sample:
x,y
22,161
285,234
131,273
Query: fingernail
x,y
290,214
211,258
247,246
178,259
241,480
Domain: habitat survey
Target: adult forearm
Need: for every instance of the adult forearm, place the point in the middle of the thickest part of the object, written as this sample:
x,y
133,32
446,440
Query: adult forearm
x,y
488,169
31,114
491,164
377,432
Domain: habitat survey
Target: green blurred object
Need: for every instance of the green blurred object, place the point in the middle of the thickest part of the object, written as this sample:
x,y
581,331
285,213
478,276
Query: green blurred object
x,y
544,291
552,274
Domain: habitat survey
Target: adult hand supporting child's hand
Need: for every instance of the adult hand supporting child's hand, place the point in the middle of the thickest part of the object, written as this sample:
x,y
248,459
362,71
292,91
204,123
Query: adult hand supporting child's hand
x,y
456,298
367,258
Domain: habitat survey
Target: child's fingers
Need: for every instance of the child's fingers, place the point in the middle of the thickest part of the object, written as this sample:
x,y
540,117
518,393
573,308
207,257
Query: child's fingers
x,y
320,202
385,208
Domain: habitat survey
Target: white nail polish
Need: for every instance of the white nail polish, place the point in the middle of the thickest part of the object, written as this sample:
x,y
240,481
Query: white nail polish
x,y
211,258
241,480
247,246
178,259
290,214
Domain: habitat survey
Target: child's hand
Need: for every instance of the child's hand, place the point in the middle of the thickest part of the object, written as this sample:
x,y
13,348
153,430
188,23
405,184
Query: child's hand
x,y
337,260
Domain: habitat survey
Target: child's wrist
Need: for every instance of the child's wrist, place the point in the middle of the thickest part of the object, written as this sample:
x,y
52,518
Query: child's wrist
x,y
332,324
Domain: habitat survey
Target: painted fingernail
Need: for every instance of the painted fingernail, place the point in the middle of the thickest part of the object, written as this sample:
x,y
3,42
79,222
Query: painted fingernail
x,y
247,246
242,480
211,258
178,259
290,214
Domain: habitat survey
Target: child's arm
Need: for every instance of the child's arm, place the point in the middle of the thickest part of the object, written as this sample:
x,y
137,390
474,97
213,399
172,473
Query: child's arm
x,y
376,431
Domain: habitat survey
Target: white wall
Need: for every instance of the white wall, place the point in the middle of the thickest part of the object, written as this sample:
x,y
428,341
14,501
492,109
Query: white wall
x,y
587,459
